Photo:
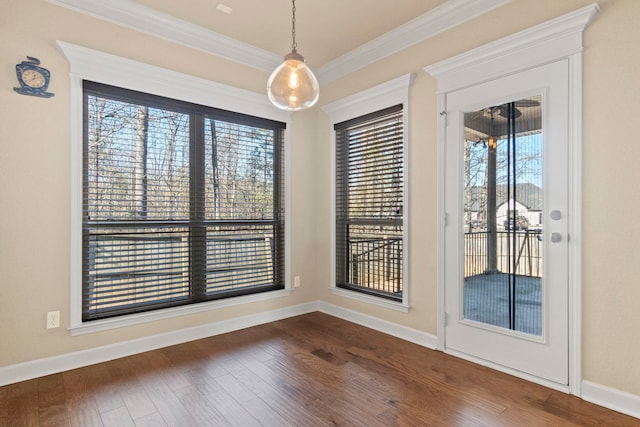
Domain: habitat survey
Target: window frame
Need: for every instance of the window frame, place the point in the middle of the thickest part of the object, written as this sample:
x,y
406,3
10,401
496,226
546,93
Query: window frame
x,y
99,67
377,98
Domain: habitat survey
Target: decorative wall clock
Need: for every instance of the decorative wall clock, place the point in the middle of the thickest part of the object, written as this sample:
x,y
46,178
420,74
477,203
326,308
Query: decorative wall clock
x,y
33,79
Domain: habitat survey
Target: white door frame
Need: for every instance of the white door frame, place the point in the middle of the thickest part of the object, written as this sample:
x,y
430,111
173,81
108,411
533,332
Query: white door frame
x,y
553,40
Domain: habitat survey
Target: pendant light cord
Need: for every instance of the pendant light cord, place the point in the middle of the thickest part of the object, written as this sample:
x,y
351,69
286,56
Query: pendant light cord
x,y
294,45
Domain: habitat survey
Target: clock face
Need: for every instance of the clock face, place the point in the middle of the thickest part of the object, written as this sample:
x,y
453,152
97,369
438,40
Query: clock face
x,y
33,78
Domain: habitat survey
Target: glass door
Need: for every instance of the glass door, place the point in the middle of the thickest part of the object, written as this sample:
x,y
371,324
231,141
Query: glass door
x,y
506,199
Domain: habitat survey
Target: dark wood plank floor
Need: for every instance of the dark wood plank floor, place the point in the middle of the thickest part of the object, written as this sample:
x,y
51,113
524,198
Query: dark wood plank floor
x,y
311,370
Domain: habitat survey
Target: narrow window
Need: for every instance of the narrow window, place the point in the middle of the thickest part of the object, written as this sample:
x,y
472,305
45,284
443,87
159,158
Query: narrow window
x,y
182,203
369,203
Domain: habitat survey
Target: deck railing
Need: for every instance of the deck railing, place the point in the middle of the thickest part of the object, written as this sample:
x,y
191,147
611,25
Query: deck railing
x,y
149,267
518,252
376,264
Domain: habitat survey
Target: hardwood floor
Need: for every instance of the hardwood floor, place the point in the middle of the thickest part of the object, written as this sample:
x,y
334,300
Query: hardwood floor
x,y
311,370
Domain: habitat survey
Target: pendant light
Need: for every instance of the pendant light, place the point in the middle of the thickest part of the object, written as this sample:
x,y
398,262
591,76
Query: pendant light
x,y
292,86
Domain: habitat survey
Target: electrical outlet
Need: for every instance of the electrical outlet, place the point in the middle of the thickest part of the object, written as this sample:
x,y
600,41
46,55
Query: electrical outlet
x,y
296,282
53,319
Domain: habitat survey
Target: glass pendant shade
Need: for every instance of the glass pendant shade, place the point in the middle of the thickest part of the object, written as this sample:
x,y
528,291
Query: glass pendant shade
x,y
292,86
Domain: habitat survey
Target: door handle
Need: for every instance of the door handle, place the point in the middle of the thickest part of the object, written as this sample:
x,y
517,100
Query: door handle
x,y
555,215
556,237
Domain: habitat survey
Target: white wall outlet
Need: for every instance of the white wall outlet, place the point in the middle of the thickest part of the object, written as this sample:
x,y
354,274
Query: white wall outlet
x,y
53,319
296,282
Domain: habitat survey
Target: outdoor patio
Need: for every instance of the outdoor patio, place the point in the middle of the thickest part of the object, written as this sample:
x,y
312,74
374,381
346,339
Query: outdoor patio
x,y
486,299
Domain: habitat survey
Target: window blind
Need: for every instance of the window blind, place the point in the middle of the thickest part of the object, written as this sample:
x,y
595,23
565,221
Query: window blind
x,y
182,203
369,203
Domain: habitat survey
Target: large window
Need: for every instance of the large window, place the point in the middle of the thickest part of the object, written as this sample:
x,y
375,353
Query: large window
x,y
370,203
182,203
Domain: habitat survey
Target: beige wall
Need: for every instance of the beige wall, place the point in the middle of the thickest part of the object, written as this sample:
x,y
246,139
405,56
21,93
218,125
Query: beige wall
x,y
611,261
34,178
611,267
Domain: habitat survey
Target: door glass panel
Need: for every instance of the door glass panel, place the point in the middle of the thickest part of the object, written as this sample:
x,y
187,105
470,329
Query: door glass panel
x,y
503,191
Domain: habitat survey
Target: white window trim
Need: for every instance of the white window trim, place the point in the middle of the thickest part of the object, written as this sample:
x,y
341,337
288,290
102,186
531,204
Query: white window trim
x,y
88,64
388,94
556,39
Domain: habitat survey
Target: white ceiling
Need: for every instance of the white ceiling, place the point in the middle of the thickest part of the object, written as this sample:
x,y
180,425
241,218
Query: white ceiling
x,y
336,37
325,29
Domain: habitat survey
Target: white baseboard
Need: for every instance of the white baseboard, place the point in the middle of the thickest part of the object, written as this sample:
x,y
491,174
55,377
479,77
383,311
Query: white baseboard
x,y
601,395
408,334
604,396
64,362
611,398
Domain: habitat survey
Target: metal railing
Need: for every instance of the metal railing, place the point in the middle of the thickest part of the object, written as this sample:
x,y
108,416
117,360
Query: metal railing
x,y
518,252
376,264
125,268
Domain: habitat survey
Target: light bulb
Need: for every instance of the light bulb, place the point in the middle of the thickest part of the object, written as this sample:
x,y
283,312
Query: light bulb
x,y
293,79
292,86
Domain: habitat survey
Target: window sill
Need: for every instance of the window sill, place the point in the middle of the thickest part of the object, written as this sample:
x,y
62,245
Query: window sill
x,y
151,316
369,299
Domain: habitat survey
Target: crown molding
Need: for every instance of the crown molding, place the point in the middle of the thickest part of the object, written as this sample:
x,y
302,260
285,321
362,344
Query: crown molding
x,y
552,40
129,14
444,17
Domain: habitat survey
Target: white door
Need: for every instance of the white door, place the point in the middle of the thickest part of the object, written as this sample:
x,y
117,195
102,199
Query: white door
x,y
506,251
